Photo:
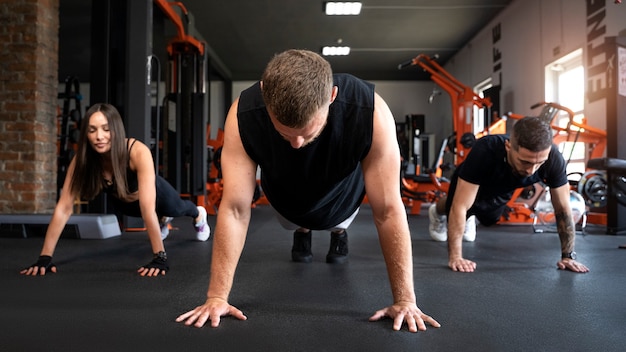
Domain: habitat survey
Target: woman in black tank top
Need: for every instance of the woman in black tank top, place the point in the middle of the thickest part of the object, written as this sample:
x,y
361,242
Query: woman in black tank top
x,y
106,161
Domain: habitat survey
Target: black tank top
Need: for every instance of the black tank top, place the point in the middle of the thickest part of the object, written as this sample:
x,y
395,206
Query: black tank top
x,y
320,185
131,177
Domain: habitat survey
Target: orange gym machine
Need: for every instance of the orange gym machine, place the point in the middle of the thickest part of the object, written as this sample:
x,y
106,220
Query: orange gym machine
x,y
429,187
183,42
189,145
214,183
463,100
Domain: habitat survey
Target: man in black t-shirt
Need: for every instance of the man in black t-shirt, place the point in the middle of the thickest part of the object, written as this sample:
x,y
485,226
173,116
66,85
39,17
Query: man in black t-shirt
x,y
483,184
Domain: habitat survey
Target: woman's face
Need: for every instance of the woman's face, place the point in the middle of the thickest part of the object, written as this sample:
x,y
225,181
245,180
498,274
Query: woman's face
x,y
98,133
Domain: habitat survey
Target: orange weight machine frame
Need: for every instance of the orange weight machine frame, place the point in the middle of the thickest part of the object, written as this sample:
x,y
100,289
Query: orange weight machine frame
x,y
186,88
184,43
463,100
429,187
214,185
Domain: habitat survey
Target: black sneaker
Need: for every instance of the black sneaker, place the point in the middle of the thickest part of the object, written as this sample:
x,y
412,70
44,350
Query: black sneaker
x,y
301,250
338,252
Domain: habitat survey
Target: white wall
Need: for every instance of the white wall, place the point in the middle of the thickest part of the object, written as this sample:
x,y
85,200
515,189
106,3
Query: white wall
x,y
534,34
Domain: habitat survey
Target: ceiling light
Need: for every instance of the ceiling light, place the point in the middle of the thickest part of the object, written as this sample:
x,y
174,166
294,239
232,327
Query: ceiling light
x,y
335,50
342,8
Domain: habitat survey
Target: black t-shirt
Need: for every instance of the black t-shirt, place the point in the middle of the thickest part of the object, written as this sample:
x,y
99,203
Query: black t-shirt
x,y
486,165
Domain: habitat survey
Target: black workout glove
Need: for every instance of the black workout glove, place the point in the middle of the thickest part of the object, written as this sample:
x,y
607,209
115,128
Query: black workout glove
x,y
158,262
44,261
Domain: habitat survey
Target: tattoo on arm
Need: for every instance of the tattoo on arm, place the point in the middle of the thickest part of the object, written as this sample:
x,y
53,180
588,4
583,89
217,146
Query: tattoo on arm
x,y
567,232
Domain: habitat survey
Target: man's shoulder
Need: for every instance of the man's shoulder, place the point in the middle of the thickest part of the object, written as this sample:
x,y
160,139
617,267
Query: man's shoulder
x,y
346,79
494,138
250,98
492,141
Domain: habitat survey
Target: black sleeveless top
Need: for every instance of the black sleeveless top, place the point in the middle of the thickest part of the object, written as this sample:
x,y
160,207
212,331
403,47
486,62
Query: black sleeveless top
x,y
131,177
321,184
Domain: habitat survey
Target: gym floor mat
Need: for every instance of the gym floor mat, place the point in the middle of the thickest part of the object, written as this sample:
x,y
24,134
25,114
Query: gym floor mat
x,y
516,300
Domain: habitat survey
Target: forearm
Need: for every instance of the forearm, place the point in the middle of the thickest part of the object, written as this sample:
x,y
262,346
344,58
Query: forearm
x,y
53,233
456,227
397,251
153,228
566,230
228,243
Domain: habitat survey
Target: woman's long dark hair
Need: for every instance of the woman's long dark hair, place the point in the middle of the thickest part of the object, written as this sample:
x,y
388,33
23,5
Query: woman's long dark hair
x,y
87,179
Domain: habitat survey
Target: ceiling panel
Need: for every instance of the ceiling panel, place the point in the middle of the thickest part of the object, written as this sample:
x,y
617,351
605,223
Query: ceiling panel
x,y
245,34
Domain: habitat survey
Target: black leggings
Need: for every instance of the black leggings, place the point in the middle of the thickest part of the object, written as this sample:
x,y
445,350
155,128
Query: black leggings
x,y
168,203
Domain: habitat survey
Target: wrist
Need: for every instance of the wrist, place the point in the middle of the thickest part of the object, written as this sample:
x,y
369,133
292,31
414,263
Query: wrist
x,y
405,301
160,255
213,298
568,255
453,255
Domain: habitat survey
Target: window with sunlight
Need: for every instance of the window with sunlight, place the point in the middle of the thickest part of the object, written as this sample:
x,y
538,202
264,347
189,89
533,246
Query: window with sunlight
x,y
479,114
565,85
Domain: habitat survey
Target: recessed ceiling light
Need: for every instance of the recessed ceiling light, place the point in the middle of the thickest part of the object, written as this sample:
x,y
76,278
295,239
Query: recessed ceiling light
x,y
343,8
335,50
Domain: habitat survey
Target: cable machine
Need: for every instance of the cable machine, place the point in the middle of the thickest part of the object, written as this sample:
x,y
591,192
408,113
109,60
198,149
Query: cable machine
x,y
184,126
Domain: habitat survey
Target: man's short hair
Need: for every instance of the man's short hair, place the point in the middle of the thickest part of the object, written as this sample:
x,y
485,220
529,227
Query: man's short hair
x,y
531,133
296,84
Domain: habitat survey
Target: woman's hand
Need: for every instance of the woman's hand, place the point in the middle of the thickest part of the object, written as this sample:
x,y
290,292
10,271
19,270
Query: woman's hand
x,y
43,265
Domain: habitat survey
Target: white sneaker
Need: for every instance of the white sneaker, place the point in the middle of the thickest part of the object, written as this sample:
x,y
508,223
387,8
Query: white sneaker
x,y
165,226
438,227
203,230
470,229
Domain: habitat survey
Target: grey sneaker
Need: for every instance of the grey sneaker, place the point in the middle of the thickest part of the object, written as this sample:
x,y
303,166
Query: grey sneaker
x,y
165,226
203,230
470,229
438,227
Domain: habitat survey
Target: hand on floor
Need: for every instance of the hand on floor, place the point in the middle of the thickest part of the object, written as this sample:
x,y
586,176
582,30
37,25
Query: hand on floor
x,y
406,312
44,264
157,266
462,265
213,309
572,265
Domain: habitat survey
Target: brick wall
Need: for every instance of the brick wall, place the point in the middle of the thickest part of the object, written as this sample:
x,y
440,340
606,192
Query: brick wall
x,y
28,103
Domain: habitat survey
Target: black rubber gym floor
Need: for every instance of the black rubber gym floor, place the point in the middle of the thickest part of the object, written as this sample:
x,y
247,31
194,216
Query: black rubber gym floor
x,y
516,300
